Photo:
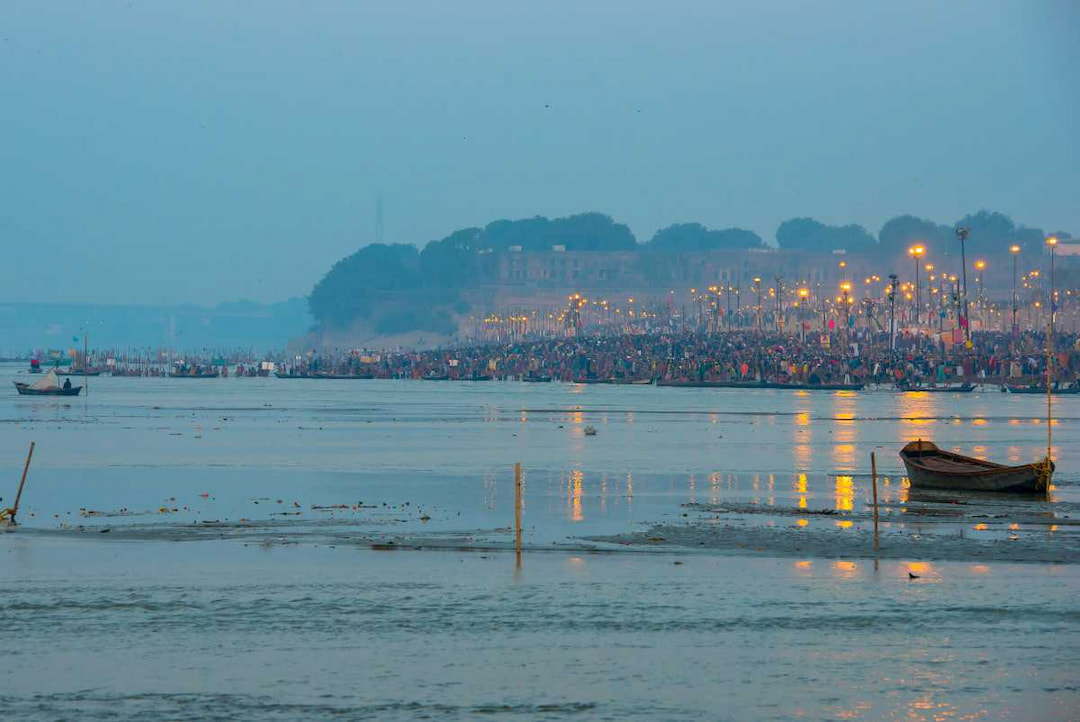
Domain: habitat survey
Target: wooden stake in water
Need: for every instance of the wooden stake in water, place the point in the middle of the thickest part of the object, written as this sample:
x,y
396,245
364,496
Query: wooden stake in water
x,y
9,514
517,512
873,474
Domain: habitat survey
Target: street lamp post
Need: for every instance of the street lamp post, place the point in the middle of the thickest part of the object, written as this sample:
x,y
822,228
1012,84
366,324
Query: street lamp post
x,y
760,308
962,233
980,296
1014,250
1052,242
804,296
845,288
917,252
893,283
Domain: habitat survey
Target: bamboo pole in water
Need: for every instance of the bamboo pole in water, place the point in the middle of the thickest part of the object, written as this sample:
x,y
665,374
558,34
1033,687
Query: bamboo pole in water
x,y
22,482
1049,380
517,512
873,474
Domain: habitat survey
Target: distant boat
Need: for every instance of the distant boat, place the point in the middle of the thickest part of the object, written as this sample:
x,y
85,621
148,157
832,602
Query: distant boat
x,y
594,381
536,379
47,385
944,389
929,467
436,377
79,372
1040,389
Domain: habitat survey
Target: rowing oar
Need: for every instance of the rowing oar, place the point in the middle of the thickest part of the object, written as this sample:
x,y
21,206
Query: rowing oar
x,y
8,515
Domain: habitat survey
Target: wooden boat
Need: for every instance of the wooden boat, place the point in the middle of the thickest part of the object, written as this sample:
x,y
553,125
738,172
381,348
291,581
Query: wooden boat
x,y
436,377
193,375
1041,390
929,467
964,388
593,381
536,379
79,372
29,390
47,385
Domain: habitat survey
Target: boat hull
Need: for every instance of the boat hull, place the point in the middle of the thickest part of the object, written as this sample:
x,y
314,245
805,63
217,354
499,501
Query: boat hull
x,y
26,390
931,468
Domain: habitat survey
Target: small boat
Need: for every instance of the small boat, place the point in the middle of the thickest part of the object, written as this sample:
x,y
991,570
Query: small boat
x,y
47,385
536,379
929,467
193,375
1041,390
594,381
945,389
436,377
79,372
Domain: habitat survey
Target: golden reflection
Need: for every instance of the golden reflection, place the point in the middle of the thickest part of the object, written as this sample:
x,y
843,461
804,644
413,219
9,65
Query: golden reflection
x,y
577,418
802,393
801,522
980,527
1014,527
845,493
803,456
803,564
919,567
577,477
844,456
980,568
845,523
843,569
802,418
800,490
978,422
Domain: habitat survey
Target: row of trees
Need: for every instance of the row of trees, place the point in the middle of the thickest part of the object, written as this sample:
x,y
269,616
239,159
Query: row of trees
x,y
428,278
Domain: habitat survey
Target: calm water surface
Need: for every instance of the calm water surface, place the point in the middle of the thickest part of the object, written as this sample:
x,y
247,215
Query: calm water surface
x,y
275,629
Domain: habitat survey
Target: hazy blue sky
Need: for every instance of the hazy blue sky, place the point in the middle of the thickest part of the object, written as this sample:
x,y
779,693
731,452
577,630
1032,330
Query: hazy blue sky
x,y
203,151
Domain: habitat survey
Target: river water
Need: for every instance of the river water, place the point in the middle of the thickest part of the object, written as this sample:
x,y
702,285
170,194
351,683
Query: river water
x,y
283,549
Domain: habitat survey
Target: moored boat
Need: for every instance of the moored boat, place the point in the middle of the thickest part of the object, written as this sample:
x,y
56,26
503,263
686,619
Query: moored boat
x,y
964,388
929,467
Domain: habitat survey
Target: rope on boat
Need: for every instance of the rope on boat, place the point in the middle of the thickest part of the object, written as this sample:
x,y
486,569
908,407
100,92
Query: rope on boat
x,y
1044,470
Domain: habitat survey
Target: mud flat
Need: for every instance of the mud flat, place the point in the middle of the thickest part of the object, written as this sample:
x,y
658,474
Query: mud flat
x,y
981,530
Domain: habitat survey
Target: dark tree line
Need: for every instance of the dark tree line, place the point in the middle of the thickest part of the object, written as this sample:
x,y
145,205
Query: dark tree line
x,y
400,288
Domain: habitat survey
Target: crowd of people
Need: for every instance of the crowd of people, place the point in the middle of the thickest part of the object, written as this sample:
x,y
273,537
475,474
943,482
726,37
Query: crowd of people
x,y
858,357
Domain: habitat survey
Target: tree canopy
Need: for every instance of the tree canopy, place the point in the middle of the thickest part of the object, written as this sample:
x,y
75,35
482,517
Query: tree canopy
x,y
690,237
807,234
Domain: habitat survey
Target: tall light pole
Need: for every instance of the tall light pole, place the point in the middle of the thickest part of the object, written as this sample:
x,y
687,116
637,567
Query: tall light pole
x,y
1015,251
1052,242
845,288
980,296
893,283
779,303
962,233
760,308
804,297
916,252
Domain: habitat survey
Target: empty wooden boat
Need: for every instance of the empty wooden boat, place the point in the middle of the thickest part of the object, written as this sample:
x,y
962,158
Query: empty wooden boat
x,y
929,467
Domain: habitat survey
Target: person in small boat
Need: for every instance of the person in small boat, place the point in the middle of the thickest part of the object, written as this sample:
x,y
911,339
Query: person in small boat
x,y
67,384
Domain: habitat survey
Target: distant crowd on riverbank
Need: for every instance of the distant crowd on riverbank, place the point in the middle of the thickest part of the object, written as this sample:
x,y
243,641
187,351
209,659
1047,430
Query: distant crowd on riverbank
x,y
731,356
